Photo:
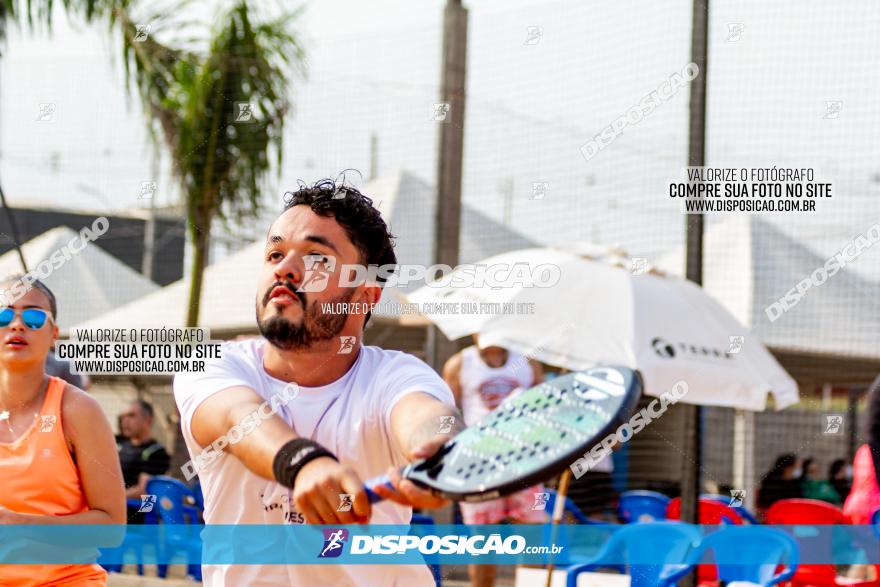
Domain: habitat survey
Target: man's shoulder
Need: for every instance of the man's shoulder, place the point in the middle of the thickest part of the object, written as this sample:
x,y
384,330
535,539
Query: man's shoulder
x,y
388,373
150,444
378,357
152,448
239,356
247,348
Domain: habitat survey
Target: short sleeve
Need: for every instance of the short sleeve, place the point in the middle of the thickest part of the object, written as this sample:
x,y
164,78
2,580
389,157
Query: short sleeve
x,y
191,389
155,460
406,374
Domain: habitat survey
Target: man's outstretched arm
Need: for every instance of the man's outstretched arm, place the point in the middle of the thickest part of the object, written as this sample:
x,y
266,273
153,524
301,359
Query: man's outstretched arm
x,y
319,482
420,425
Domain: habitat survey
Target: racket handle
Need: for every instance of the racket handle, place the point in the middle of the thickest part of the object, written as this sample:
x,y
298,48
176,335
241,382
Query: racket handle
x,y
370,485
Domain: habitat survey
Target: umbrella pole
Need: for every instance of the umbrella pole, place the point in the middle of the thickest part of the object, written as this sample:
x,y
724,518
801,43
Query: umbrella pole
x,y
558,512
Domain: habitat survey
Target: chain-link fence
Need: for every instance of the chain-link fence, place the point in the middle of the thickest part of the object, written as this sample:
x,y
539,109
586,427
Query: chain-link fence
x,y
788,87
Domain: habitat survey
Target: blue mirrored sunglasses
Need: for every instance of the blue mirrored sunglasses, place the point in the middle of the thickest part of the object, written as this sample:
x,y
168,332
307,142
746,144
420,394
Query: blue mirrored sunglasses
x,y
33,318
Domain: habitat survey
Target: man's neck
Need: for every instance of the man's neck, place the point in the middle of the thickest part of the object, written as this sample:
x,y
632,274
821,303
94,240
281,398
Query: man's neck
x,y
321,364
140,439
493,360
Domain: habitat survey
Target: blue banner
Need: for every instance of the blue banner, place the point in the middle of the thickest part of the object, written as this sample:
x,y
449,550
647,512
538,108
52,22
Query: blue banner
x,y
388,544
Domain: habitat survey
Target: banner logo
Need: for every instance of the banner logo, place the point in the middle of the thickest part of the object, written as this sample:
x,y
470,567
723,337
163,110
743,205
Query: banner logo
x,y
334,540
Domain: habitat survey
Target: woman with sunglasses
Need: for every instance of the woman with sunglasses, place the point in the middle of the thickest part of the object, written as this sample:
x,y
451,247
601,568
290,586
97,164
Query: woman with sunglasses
x,y
58,461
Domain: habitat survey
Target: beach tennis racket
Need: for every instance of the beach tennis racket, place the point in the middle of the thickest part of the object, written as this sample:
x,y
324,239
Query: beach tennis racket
x,y
529,438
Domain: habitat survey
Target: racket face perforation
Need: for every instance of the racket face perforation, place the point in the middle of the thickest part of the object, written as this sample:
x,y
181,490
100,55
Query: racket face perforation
x,y
534,435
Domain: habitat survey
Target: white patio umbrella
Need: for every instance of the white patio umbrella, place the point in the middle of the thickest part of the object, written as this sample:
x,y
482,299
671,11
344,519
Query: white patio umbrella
x,y
600,311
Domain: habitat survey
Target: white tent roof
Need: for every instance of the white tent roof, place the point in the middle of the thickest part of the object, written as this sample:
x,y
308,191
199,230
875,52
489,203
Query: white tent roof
x,y
228,290
408,205
229,287
90,284
749,263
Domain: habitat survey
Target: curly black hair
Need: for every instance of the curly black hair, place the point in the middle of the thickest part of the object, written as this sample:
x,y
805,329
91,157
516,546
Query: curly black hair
x,y
355,213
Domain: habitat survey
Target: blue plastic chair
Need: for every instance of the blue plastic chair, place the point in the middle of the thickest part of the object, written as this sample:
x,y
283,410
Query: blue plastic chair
x,y
741,510
133,541
642,506
108,557
180,532
576,513
656,553
570,507
875,522
198,496
435,568
764,548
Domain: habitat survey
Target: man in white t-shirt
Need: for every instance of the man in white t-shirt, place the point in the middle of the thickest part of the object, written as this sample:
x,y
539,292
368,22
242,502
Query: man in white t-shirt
x,y
343,412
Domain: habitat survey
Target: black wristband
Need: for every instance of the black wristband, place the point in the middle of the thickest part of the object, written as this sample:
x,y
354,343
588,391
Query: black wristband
x,y
293,456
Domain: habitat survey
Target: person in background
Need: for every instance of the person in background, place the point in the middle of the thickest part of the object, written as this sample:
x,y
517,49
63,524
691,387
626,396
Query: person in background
x,y
781,482
480,379
815,488
864,497
593,492
56,367
140,455
840,478
119,435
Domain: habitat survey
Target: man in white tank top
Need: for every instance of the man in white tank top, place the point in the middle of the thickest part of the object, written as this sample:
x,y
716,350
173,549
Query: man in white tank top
x,y
480,379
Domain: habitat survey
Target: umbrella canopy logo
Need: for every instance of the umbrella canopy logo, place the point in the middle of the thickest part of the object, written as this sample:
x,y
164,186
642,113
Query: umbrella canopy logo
x,y
663,348
668,350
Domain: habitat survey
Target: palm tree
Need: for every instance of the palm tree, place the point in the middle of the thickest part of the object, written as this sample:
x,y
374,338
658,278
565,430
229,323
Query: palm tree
x,y
33,11
221,113
40,11
7,12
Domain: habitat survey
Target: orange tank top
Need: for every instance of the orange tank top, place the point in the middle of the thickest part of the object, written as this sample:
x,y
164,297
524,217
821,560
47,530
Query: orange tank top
x,y
38,476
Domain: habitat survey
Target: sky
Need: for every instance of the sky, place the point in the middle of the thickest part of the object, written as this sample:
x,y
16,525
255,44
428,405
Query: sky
x,y
543,78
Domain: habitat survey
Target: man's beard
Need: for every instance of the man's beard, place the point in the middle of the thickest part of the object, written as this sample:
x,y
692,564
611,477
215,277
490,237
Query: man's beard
x,y
316,326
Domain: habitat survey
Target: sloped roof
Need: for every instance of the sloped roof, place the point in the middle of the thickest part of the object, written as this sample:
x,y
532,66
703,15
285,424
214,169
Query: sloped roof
x,y
90,284
749,264
408,204
228,290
